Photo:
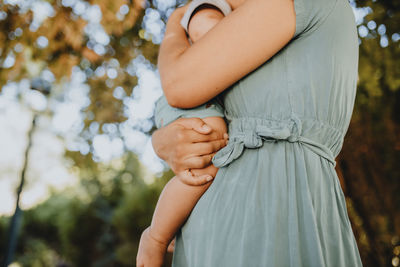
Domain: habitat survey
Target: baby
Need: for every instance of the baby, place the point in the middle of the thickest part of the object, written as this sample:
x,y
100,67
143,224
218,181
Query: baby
x,y
179,197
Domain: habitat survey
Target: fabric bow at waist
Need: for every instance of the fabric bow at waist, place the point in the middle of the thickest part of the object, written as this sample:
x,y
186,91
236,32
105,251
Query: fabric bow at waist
x,y
251,133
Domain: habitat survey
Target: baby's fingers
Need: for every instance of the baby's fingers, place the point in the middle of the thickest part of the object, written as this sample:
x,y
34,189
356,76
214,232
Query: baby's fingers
x,y
188,178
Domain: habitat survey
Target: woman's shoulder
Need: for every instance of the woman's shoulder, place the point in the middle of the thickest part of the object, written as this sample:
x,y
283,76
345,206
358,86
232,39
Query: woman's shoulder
x,y
311,14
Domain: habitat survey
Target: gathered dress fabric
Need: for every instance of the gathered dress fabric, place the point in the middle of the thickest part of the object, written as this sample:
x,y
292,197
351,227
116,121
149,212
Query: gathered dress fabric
x,y
276,199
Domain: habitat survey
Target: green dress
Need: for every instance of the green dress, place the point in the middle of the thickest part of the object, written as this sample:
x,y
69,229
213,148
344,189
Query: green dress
x,y
276,199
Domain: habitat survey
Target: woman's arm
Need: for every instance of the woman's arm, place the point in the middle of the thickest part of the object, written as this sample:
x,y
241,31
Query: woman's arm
x,y
235,3
238,44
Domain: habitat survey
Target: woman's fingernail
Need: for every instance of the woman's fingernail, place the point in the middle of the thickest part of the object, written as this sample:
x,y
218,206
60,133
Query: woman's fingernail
x,y
209,178
226,136
205,127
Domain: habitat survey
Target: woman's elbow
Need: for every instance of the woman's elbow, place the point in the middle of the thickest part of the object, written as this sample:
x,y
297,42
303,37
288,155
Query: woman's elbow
x,y
172,98
173,102
177,98
170,91
181,101
179,95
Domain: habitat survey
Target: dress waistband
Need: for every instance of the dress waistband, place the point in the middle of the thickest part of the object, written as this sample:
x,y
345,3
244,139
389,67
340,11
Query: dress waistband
x,y
249,132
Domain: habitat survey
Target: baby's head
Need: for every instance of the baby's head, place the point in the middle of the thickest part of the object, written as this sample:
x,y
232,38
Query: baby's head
x,y
202,20
202,15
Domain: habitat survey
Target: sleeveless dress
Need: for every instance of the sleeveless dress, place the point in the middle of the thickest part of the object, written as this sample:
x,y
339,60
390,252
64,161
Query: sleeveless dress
x,y
276,199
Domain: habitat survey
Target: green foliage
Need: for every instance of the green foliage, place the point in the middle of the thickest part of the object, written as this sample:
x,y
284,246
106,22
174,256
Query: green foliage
x,y
70,45
100,226
4,222
368,163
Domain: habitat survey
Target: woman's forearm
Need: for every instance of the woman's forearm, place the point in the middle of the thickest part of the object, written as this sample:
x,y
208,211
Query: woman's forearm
x,y
242,41
182,87
173,45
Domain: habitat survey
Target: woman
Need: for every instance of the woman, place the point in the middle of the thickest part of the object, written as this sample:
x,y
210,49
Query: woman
x,y
288,71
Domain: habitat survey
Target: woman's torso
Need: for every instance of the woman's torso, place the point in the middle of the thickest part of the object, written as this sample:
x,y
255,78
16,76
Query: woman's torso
x,y
276,199
312,79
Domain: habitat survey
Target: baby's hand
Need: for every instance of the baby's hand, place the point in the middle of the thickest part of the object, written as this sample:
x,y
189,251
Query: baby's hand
x,y
198,176
151,251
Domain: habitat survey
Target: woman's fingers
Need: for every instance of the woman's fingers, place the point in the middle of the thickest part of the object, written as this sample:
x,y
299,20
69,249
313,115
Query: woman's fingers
x,y
188,178
196,124
205,148
182,145
195,137
211,169
186,159
199,176
197,162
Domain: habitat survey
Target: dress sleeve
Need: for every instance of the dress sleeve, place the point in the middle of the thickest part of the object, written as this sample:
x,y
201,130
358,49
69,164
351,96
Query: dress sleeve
x,y
310,14
165,114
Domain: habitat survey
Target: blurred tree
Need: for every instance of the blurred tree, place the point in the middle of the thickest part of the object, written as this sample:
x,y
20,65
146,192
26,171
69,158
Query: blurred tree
x,y
99,226
49,39
369,160
101,37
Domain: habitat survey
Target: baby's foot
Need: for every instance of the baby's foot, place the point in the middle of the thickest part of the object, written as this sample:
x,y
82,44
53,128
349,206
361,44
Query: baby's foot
x,y
151,251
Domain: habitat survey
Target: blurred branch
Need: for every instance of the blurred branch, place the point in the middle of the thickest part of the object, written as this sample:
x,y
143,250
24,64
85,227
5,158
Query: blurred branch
x,y
15,221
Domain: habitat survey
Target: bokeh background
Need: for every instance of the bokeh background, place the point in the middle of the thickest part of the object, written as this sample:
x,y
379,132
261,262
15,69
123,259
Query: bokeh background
x,y
78,82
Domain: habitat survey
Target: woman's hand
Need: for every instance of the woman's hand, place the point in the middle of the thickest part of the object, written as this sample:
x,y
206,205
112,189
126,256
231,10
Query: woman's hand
x,y
179,11
187,143
198,177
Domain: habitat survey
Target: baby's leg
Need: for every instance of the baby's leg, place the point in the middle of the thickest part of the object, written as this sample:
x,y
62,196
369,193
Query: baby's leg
x,y
178,198
173,207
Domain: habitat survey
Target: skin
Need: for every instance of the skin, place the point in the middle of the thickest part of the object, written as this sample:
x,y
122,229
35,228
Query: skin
x,y
253,33
262,27
189,146
182,192
206,17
